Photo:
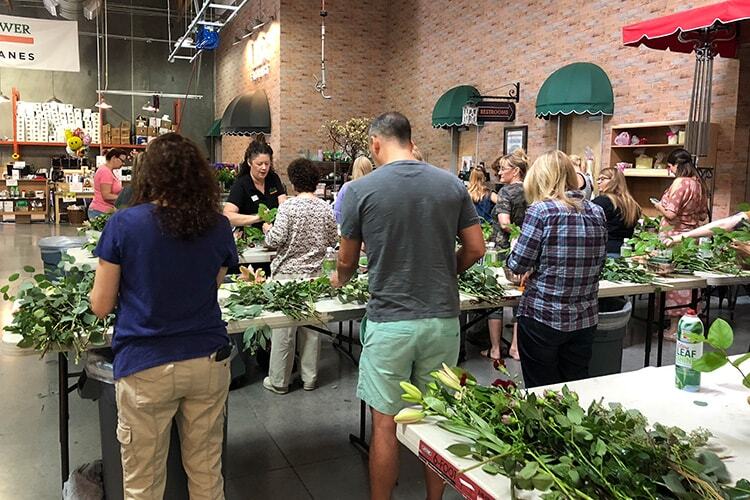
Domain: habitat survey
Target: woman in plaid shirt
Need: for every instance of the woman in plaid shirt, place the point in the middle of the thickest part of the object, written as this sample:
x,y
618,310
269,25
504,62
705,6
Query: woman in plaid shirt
x,y
561,249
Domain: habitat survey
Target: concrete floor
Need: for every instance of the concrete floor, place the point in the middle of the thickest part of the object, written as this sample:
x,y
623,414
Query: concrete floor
x,y
279,447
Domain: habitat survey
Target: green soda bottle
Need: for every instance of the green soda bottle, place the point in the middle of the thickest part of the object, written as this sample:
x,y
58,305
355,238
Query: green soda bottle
x,y
687,352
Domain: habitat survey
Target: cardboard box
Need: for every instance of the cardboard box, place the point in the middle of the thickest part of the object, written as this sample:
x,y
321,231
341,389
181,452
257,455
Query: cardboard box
x,y
163,130
153,132
141,130
125,124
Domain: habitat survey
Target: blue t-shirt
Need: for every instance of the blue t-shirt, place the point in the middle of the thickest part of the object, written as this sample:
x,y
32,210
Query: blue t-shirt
x,y
167,307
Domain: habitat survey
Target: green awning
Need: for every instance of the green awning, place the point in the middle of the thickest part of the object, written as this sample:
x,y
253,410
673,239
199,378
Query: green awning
x,y
215,130
581,88
448,111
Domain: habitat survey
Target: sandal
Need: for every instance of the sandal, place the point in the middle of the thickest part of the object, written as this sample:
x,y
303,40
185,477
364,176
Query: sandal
x,y
486,354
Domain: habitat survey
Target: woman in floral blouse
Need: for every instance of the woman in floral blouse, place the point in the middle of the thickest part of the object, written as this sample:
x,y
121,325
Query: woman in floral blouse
x,y
684,206
304,228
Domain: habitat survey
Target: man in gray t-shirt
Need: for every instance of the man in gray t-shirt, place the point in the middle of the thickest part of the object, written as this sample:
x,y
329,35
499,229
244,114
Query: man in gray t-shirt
x,y
408,214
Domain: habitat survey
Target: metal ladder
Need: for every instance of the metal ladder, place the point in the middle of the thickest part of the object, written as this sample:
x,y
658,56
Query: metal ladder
x,y
216,13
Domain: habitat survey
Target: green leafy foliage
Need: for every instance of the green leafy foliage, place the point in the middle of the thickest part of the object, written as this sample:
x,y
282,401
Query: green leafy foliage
x,y
720,337
250,237
548,442
98,223
356,291
55,314
226,177
295,299
481,282
267,215
622,271
487,230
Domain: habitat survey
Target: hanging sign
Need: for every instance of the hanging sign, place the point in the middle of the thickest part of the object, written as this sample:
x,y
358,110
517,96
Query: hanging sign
x,y
496,111
28,43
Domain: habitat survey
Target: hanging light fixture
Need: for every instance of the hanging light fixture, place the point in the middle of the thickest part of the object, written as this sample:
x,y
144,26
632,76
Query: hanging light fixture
x,y
53,99
3,97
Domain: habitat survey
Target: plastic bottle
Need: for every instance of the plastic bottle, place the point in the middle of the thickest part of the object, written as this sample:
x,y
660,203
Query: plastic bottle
x,y
490,255
688,352
704,248
329,262
626,250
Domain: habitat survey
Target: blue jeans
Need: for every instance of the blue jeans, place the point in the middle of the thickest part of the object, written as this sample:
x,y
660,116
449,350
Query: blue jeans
x,y
93,214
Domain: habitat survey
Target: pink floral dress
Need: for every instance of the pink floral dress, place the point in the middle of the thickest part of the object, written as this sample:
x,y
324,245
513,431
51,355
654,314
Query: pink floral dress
x,y
686,198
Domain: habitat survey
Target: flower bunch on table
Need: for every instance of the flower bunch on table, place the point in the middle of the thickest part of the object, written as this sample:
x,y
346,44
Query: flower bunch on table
x,y
549,443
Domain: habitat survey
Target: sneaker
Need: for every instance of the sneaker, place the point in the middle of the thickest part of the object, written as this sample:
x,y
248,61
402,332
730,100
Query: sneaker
x,y
309,386
278,390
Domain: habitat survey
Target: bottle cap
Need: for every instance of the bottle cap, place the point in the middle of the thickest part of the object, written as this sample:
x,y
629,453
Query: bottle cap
x,y
691,312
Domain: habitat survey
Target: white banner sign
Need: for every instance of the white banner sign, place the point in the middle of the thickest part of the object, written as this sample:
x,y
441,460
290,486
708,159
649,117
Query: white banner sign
x,y
28,43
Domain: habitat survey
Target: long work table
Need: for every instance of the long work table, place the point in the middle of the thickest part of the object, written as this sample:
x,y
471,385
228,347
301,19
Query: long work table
x,y
333,311
721,407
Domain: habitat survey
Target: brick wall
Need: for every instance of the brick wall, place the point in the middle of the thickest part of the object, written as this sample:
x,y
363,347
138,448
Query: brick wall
x,y
356,39
233,75
487,43
403,54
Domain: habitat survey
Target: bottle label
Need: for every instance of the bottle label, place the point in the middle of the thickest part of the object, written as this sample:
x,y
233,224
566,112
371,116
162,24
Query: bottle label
x,y
686,353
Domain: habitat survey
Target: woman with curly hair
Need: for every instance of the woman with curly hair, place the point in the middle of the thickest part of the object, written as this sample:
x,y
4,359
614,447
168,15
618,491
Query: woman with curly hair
x,y
160,263
256,183
304,228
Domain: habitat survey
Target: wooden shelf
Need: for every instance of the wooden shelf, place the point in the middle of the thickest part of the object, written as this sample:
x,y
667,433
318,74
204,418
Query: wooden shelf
x,y
22,212
125,146
646,172
673,123
23,198
617,146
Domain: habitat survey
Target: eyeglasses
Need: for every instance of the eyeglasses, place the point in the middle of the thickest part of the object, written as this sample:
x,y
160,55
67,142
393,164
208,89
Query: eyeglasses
x,y
505,168
602,179
122,159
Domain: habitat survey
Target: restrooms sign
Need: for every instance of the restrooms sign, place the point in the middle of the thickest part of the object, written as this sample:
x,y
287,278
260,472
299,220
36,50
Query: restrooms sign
x,y
27,43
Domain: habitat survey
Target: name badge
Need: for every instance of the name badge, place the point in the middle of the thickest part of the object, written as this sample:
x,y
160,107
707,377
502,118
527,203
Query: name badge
x,y
254,197
273,191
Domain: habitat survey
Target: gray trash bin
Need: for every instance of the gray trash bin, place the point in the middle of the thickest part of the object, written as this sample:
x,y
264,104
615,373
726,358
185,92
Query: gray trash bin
x,y
52,248
614,315
99,385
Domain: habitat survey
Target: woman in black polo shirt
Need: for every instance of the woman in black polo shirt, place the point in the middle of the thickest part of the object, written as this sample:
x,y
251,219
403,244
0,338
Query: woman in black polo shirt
x,y
257,183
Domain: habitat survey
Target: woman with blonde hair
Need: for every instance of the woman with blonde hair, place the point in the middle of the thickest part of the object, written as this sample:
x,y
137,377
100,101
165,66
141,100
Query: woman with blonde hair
x,y
621,210
510,209
560,255
361,167
484,199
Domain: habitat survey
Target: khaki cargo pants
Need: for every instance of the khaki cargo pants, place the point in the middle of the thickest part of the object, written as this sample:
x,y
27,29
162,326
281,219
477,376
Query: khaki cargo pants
x,y
194,392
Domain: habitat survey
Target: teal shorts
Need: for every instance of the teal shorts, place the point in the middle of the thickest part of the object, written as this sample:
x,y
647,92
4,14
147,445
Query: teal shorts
x,y
399,351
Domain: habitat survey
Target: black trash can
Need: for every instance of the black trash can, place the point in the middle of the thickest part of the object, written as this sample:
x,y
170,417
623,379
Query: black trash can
x,y
99,385
52,248
614,315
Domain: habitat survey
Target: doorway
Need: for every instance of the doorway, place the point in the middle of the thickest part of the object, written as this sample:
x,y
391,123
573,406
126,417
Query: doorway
x,y
576,133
